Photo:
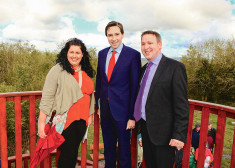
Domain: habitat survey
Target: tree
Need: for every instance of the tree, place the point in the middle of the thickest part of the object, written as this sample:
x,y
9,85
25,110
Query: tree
x,y
211,71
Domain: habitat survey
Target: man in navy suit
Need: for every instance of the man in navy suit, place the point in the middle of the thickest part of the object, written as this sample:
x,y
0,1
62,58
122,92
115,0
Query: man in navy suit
x,y
161,108
116,89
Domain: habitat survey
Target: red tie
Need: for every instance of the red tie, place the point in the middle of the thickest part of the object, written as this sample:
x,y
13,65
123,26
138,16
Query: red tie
x,y
111,65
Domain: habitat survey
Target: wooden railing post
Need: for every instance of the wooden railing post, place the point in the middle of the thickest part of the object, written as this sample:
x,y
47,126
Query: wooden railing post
x,y
18,131
26,163
233,152
96,139
187,147
57,156
45,163
3,131
219,140
50,161
203,137
133,149
32,123
83,154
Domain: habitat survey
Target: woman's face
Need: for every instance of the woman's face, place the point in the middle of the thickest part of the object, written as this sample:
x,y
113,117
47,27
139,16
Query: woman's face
x,y
74,56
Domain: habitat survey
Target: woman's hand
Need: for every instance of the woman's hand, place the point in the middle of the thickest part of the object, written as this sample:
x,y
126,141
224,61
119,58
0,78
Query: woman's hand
x,y
90,119
41,125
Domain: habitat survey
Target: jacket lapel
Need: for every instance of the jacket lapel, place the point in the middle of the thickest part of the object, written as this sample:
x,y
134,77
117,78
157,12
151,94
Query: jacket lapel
x,y
120,60
103,62
158,72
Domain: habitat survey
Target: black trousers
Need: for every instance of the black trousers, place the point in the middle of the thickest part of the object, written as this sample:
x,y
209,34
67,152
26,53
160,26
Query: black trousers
x,y
156,156
69,149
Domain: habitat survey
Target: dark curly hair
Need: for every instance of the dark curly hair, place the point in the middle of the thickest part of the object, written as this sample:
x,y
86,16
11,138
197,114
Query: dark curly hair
x,y
85,62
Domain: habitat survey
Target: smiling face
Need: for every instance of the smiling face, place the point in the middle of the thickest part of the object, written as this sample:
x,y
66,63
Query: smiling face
x,y
150,47
74,56
114,36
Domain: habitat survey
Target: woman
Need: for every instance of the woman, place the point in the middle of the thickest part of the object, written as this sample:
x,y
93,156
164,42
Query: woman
x,y
67,89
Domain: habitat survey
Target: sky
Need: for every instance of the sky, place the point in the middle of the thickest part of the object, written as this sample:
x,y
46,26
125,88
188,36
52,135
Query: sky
x,y
48,23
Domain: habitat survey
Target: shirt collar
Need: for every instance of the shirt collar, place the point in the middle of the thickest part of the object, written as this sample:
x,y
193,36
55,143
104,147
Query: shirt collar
x,y
118,50
157,59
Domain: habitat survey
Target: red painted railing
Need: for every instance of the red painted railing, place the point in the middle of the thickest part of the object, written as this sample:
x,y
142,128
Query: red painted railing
x,y
21,160
223,112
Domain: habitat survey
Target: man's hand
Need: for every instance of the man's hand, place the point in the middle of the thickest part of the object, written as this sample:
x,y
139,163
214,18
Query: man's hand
x,y
178,144
130,124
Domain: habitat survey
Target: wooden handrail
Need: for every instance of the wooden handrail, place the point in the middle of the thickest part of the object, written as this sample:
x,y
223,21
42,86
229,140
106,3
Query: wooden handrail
x,y
213,106
27,93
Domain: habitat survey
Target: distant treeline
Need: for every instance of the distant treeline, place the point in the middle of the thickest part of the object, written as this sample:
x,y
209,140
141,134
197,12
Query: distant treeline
x,y
210,69
24,68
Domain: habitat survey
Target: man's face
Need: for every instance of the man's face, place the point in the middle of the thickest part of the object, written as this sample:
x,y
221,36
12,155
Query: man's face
x,y
150,47
114,36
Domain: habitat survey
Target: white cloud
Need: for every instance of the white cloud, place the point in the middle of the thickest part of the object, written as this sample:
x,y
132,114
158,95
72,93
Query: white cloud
x,y
226,29
94,40
102,24
42,8
11,10
174,52
133,40
136,14
48,22
168,14
90,40
28,29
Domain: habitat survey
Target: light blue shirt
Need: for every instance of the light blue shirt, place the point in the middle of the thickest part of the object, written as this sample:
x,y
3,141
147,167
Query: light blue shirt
x,y
153,69
109,55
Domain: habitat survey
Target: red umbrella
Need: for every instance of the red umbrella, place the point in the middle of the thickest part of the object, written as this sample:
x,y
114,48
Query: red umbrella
x,y
46,145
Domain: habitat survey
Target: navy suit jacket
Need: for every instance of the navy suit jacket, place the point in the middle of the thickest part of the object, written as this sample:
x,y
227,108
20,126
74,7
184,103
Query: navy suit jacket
x,y
121,90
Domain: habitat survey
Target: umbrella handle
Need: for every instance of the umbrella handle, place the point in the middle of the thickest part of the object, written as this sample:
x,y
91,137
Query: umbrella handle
x,y
52,116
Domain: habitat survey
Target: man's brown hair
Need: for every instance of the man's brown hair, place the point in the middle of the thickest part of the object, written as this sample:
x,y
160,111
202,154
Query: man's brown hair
x,y
156,34
114,23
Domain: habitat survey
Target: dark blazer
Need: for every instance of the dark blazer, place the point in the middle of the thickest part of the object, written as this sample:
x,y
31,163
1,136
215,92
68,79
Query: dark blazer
x,y
121,90
167,103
